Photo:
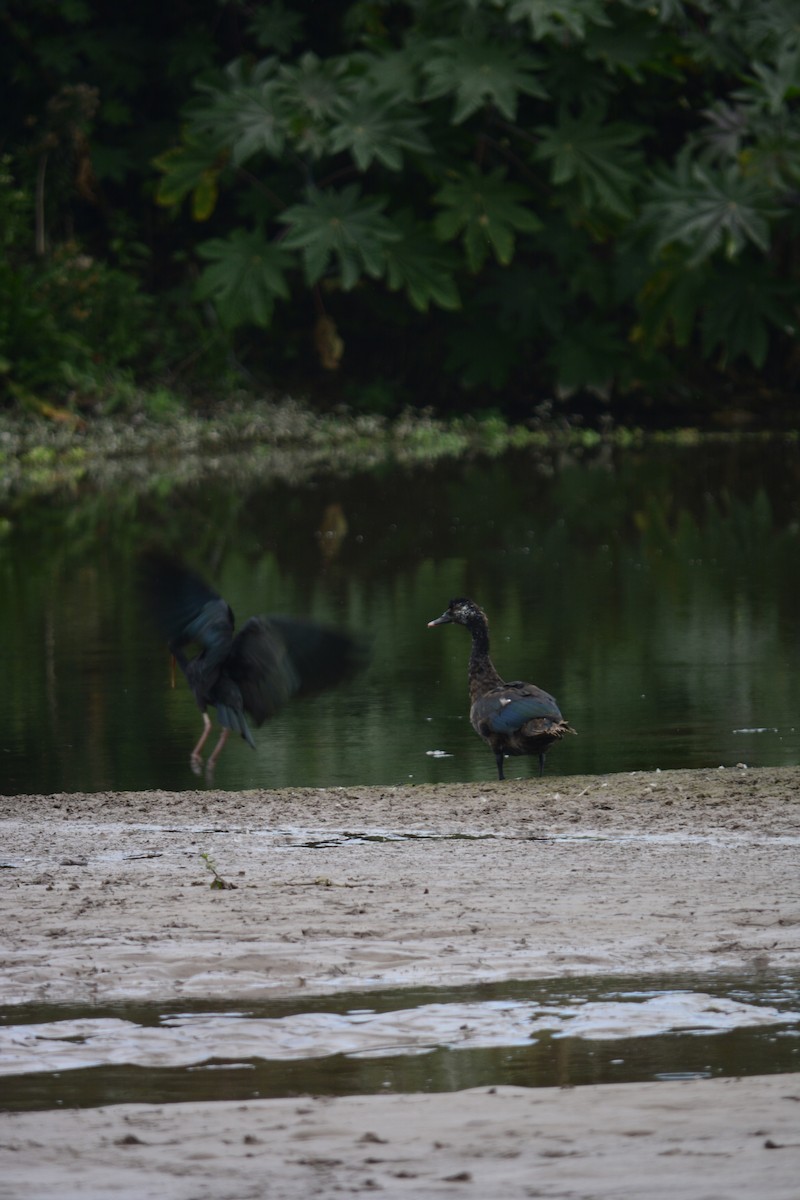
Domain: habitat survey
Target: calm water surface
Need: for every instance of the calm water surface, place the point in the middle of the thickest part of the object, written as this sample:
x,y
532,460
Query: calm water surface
x,y
653,592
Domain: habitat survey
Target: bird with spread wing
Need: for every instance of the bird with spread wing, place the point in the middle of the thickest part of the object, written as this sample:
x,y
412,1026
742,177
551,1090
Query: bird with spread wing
x,y
249,673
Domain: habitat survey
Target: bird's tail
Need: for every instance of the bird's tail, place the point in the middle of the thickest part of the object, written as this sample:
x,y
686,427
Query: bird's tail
x,y
229,718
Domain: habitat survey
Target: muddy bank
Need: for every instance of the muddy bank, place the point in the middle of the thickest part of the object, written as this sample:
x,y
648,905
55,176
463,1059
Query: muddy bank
x,y
108,897
706,1140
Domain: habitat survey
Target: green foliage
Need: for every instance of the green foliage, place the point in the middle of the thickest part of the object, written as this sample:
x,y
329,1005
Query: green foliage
x,y
68,319
739,314
425,269
218,882
566,195
479,73
486,211
596,156
548,19
708,211
341,227
242,118
311,92
670,304
589,355
186,171
245,278
376,129
276,28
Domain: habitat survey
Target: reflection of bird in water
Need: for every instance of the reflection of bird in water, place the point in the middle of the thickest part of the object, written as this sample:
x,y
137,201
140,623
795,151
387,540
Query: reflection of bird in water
x,y
250,673
332,531
514,718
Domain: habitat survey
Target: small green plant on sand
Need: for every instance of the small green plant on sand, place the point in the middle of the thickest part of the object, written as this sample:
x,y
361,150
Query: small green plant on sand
x,y
217,883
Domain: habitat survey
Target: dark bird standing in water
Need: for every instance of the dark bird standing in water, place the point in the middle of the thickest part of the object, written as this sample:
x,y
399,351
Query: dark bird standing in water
x,y
250,673
514,718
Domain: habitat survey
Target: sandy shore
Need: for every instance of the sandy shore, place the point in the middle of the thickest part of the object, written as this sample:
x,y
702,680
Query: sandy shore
x,y
107,897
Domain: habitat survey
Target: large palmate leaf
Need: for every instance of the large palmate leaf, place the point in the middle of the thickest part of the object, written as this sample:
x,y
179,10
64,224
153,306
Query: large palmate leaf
x,y
558,16
765,146
276,27
421,265
634,45
310,93
732,305
740,307
764,29
340,227
774,156
190,169
247,119
391,73
244,278
598,157
725,130
240,115
314,86
375,127
669,304
708,210
589,355
487,211
770,87
477,73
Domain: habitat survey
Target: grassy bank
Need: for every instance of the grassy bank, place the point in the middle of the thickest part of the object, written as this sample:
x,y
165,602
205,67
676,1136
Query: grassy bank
x,y
267,439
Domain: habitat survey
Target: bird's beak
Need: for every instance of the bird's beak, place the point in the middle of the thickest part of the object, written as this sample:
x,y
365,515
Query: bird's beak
x,y
444,619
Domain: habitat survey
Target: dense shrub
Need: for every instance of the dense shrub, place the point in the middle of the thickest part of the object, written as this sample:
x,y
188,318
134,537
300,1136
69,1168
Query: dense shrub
x,y
458,202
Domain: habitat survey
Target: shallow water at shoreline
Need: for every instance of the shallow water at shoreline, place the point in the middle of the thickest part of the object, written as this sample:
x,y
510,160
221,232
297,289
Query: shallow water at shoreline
x,y
539,1034
652,591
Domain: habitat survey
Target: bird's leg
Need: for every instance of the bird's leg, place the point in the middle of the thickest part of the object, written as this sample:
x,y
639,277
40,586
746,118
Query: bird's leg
x,y
541,763
212,758
194,757
499,759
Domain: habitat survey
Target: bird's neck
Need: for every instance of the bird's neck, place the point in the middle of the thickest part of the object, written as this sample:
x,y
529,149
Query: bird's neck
x,y
482,671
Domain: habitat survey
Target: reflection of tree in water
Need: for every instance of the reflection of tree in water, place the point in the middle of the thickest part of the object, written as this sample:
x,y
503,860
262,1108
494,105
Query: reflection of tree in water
x,y
654,592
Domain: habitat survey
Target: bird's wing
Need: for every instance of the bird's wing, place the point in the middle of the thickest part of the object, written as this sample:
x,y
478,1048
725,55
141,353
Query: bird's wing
x,y
275,657
260,664
186,609
321,656
508,708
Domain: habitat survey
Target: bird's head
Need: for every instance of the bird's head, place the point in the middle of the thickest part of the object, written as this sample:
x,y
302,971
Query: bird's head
x,y
461,611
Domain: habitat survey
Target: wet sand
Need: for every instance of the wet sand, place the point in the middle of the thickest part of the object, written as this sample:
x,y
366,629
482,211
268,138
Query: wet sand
x,y
106,897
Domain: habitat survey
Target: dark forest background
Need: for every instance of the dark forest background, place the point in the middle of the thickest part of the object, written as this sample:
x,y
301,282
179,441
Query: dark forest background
x,y
581,206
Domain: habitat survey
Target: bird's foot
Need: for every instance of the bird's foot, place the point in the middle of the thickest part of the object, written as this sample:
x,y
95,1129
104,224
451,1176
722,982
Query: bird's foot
x,y
196,764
